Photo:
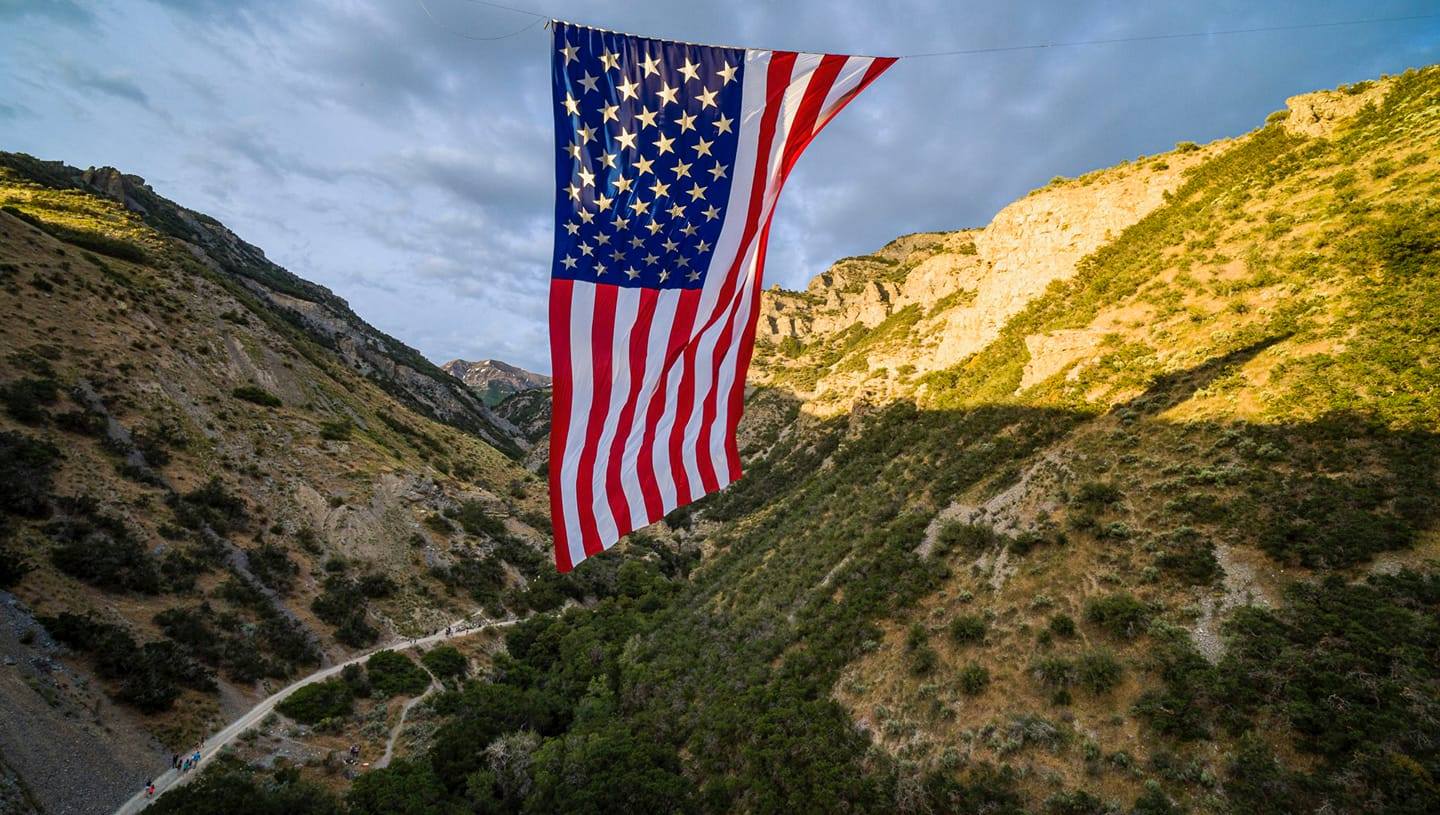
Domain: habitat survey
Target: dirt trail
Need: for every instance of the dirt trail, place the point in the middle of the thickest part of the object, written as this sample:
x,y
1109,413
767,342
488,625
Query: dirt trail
x,y
170,779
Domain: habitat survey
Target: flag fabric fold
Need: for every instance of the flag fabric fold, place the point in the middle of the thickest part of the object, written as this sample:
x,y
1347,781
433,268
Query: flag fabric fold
x,y
669,161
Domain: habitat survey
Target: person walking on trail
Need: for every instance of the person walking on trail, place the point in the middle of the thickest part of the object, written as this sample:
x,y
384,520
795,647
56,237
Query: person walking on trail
x,y
149,789
174,761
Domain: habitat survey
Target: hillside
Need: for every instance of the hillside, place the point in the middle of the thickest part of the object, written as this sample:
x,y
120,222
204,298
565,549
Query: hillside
x,y
494,380
1123,503
215,477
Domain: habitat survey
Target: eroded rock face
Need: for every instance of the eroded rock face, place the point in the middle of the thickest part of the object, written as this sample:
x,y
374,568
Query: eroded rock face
x,y
969,284
1054,352
1321,113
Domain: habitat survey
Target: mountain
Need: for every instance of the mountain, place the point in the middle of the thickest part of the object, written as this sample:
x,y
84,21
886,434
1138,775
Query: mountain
x,y
215,477
494,380
1125,502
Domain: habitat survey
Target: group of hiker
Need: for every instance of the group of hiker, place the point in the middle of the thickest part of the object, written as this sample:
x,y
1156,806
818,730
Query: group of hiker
x,y
177,762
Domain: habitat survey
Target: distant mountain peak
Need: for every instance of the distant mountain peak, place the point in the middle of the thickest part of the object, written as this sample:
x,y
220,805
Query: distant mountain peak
x,y
494,380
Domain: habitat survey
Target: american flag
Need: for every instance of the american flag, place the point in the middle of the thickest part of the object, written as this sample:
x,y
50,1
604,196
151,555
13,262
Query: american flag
x,y
669,159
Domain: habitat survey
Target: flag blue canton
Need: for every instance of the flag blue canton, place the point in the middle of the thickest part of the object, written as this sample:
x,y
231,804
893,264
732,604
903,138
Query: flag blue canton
x,y
646,133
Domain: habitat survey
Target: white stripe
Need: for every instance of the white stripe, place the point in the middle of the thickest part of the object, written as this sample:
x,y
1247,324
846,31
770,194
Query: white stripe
x,y
851,73
627,303
582,308
665,304
729,370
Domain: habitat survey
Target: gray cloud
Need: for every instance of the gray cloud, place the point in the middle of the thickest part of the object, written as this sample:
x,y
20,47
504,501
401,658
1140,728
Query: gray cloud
x,y
369,148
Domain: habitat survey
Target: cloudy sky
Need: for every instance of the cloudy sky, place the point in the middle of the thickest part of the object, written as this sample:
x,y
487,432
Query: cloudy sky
x,y
393,157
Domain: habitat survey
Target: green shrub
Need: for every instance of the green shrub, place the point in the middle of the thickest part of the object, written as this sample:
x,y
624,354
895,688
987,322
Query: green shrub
x,y
1062,625
445,661
318,701
476,520
394,674
211,505
102,550
337,430
1120,613
26,399
974,678
1098,671
967,539
27,469
1097,494
968,628
257,395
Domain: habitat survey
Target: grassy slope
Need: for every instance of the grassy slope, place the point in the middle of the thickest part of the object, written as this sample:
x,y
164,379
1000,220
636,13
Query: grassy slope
x,y
169,346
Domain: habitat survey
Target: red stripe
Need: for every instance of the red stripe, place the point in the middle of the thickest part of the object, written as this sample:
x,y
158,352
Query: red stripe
x,y
559,411
602,338
685,309
639,339
822,79
742,364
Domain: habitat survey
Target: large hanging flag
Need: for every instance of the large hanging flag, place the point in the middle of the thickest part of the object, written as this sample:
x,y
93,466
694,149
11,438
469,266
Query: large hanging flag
x,y
669,160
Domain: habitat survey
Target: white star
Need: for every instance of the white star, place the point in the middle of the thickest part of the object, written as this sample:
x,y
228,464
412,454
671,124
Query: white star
x,y
682,262
664,275
667,93
711,214
609,113
610,60
625,138
663,144
689,230
727,73
586,215
693,276
601,238
718,171
646,117
642,164
696,192
722,124
602,203
621,223
627,89
670,245
617,255
707,99
659,189
572,228
702,247
702,148
585,249
587,178
688,70
651,258
574,191
622,184
682,169
572,105
632,273
588,82
569,52
677,211
639,207
608,159
653,226
599,268
568,262
651,65
687,122
637,242
586,134
573,150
